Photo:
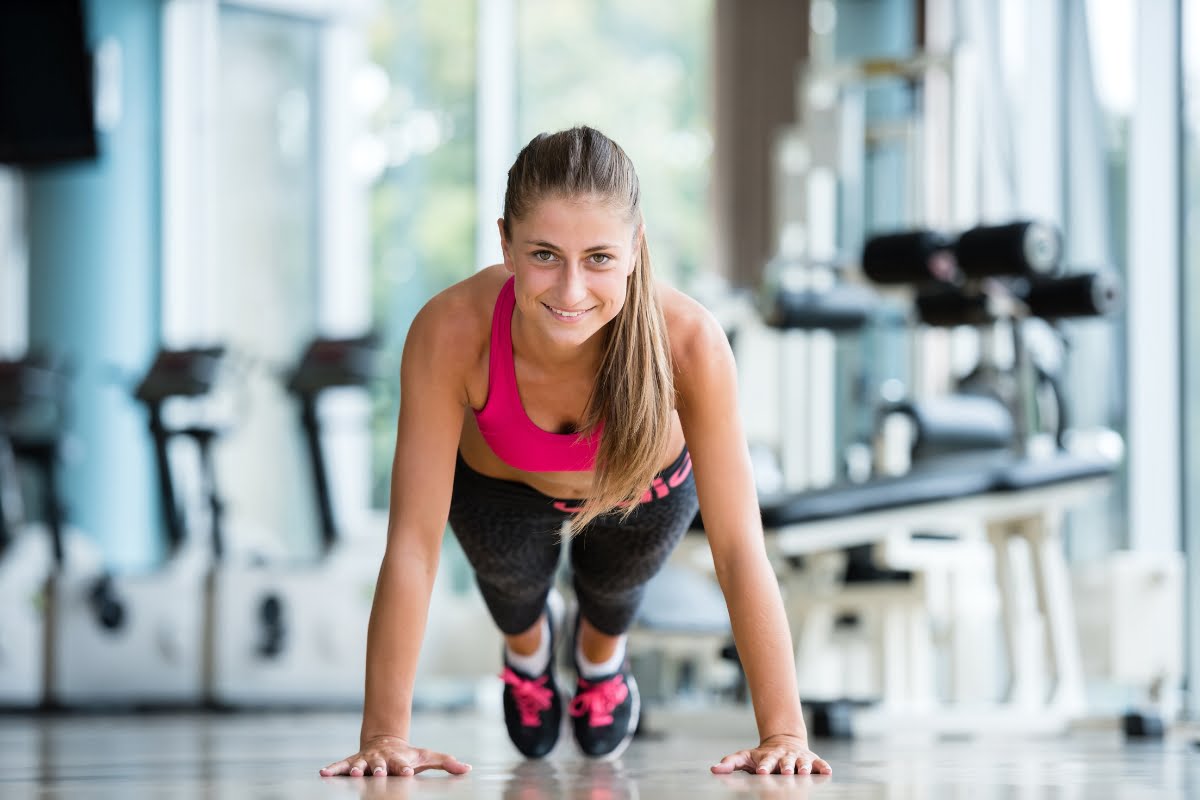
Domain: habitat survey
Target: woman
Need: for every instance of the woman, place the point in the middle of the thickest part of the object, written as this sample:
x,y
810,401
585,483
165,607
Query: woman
x,y
565,385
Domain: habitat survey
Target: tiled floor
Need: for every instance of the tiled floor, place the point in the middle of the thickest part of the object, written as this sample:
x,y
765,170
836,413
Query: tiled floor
x,y
277,756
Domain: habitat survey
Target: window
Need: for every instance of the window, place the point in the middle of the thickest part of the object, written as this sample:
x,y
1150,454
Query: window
x,y
1100,107
639,72
265,253
1191,333
12,266
420,156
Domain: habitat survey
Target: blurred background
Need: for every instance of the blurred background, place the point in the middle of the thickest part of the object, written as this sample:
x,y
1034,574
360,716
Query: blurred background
x,y
947,238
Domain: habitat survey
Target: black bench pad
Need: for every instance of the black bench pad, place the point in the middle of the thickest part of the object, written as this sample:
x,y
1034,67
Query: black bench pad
x,y
948,479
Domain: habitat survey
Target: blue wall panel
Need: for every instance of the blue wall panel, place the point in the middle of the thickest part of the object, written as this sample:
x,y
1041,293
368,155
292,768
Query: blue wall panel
x,y
94,252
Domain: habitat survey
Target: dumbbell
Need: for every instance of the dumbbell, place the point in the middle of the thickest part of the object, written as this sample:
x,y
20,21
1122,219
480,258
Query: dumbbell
x,y
1026,248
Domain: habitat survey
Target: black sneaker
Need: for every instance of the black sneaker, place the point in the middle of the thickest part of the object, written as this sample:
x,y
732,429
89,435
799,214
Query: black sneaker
x,y
532,705
605,713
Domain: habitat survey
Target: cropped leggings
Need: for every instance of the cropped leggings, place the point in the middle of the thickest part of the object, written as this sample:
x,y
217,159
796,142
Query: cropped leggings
x,y
511,534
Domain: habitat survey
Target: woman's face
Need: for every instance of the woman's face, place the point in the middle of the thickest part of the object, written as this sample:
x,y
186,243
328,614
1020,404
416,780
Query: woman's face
x,y
572,258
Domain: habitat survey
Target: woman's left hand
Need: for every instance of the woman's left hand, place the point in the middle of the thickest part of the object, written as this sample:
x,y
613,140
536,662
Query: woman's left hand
x,y
782,753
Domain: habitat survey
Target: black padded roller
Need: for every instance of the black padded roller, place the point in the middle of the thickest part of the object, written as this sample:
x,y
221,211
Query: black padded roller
x,y
1088,295
1019,248
946,306
911,257
956,423
841,308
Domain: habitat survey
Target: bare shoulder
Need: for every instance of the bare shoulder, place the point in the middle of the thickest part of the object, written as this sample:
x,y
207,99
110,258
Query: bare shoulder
x,y
697,340
452,329
461,311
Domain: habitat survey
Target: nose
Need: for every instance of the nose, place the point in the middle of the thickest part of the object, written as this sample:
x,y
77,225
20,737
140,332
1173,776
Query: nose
x,y
573,286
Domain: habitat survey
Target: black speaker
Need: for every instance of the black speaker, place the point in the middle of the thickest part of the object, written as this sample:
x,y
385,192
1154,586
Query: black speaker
x,y
46,111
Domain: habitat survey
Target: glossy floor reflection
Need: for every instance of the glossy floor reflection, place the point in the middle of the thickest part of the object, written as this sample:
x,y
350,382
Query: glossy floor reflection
x,y
277,756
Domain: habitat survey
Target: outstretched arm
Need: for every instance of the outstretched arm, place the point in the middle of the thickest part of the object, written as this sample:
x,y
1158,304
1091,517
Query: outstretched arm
x,y
432,399
708,408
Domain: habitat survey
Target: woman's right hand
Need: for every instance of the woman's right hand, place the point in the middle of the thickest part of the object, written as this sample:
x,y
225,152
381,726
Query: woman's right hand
x,y
391,755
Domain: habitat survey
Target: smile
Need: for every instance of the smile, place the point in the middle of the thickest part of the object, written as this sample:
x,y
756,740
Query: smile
x,y
567,314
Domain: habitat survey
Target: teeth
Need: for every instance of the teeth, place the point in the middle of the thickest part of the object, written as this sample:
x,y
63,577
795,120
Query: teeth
x,y
564,313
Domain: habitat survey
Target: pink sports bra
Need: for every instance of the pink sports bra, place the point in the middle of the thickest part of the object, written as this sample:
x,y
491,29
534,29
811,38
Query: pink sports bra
x,y
506,427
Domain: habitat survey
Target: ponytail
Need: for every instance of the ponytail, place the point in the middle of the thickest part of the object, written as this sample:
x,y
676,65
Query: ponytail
x,y
634,394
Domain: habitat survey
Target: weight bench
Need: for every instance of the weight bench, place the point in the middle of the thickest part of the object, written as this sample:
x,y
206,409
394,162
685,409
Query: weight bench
x,y
940,517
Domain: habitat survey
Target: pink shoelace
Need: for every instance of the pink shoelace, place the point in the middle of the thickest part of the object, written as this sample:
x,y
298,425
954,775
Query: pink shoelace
x,y
532,696
599,699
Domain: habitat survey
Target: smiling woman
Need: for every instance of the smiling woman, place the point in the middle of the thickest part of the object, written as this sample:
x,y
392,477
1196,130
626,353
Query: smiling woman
x,y
570,333
596,212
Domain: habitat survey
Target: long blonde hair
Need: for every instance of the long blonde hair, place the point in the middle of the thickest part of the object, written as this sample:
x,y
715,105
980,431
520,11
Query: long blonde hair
x,y
634,393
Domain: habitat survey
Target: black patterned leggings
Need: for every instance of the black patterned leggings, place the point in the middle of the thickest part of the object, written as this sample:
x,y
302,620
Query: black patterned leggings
x,y
511,534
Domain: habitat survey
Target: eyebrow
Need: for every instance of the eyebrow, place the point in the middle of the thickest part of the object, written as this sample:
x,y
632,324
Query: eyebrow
x,y
549,246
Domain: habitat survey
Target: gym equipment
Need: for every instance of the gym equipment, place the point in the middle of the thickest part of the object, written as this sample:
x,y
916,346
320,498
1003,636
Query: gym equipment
x,y
1002,275
982,504
909,257
971,494
1073,296
1085,295
973,504
1027,247
811,361
945,306
841,308
684,628
943,426
27,549
137,639
950,276
970,498
295,634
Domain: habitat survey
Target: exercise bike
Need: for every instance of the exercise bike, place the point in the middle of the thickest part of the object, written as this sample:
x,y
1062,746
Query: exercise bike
x,y
27,547
137,639
294,635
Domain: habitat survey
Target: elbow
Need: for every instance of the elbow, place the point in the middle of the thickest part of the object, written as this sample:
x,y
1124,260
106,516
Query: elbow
x,y
736,565
411,550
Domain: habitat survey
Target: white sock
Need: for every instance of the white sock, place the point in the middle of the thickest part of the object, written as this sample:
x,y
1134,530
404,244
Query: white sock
x,y
589,670
534,663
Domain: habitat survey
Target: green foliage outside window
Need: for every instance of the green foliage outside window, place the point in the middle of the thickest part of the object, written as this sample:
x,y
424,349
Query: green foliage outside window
x,y
639,72
422,204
